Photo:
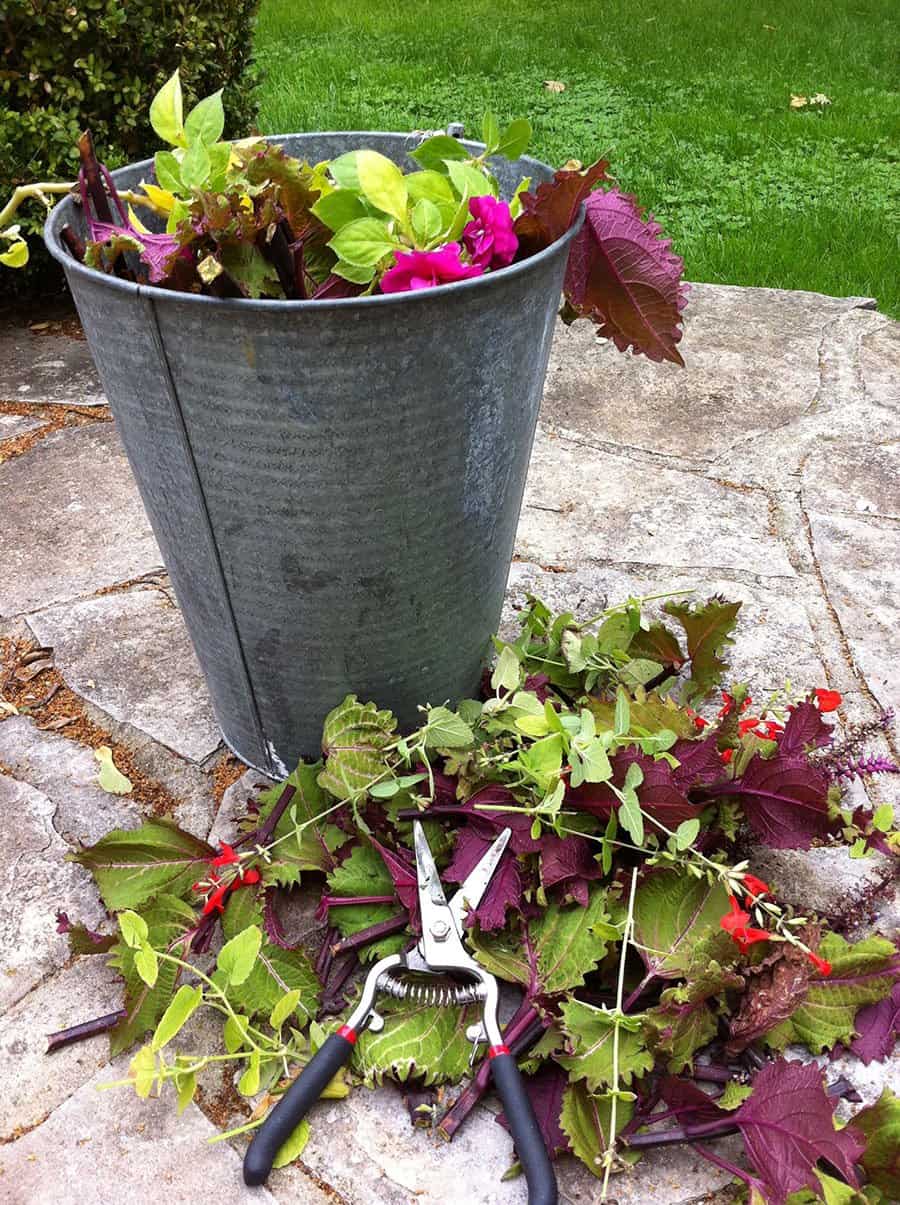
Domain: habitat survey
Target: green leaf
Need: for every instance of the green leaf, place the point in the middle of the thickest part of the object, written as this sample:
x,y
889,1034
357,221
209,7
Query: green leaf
x,y
881,1125
167,919
238,956
110,778
434,152
585,1120
427,221
430,186
184,1004
673,915
353,740
285,1006
343,170
337,209
381,183
364,873
235,1032
674,1034
168,172
590,1032
142,1069
708,627
274,972
418,1042
563,945
686,833
490,133
653,715
248,1084
639,672
622,716
306,839
166,112
861,973
468,180
508,670
354,272
364,242
734,1095
883,818
186,1087
16,255
206,120
133,866
446,730
293,1146
631,818
134,929
146,963
247,265
515,139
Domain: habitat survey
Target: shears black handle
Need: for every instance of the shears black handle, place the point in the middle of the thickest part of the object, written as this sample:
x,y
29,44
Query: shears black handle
x,y
524,1128
303,1093
336,1051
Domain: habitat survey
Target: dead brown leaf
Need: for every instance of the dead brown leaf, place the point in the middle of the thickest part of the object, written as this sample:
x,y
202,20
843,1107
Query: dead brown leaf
x,y
554,85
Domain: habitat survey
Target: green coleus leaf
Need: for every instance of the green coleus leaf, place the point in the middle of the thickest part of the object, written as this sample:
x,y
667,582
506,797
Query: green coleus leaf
x,y
306,839
673,915
364,874
861,973
274,971
708,629
353,740
653,715
553,951
585,1120
167,920
247,266
133,866
590,1032
881,1125
417,1042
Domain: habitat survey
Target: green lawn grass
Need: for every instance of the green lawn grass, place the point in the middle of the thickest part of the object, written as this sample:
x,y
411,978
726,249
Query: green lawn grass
x,y
690,102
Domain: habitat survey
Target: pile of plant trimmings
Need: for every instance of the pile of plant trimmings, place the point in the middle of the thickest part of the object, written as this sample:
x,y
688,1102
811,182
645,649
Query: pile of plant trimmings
x,y
645,957
245,219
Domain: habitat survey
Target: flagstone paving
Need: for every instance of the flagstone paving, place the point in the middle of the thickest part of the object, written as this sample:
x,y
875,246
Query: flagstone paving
x,y
766,471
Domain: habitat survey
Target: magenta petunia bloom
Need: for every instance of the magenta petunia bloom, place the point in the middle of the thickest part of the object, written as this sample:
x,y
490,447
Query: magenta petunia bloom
x,y
425,269
490,239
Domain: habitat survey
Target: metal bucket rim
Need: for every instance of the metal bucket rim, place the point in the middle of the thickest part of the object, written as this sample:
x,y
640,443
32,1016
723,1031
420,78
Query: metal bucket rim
x,y
57,218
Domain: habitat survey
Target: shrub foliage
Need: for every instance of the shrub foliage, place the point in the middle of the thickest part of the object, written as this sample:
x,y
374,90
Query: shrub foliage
x,y
72,64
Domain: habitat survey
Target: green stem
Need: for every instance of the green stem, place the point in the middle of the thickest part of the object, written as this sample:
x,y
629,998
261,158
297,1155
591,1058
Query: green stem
x,y
624,606
609,1156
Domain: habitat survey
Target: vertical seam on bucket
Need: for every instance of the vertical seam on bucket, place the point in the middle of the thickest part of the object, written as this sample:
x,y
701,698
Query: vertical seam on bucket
x,y
207,521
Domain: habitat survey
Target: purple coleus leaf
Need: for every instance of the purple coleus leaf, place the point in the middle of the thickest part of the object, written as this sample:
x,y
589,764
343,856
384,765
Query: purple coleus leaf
x,y
788,1125
157,250
877,1028
626,278
403,874
659,794
568,862
545,1091
804,730
505,888
699,762
489,823
689,1104
784,798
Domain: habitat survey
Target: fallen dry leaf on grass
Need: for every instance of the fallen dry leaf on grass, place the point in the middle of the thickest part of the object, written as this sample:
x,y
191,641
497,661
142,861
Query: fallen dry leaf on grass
x,y
554,85
798,102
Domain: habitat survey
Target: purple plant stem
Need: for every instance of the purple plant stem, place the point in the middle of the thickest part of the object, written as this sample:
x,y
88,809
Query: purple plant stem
x,y
638,991
713,1075
342,901
385,928
87,1029
523,1028
92,181
727,1166
73,242
709,1129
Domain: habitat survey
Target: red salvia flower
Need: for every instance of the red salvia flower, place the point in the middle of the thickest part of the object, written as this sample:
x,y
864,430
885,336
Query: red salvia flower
x,y
737,924
726,755
728,705
747,725
829,700
756,886
226,857
822,965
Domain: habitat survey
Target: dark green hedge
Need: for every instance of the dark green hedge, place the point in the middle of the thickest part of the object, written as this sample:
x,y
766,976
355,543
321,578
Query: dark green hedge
x,y
73,64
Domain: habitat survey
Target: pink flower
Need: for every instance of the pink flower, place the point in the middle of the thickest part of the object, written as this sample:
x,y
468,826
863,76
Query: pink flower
x,y
425,269
490,239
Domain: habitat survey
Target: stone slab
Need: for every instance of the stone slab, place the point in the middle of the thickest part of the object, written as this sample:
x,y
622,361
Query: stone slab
x,y
860,564
66,772
583,505
88,988
852,478
827,881
752,365
106,1147
234,806
35,881
79,524
47,369
14,425
128,653
880,364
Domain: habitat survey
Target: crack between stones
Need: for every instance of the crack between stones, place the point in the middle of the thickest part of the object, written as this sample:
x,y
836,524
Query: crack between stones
x,y
741,576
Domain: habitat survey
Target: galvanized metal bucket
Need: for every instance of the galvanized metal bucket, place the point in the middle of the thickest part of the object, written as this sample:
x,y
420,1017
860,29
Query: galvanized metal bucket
x,y
334,485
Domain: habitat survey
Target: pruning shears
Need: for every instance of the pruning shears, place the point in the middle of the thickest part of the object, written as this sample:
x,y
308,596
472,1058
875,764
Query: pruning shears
x,y
439,952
